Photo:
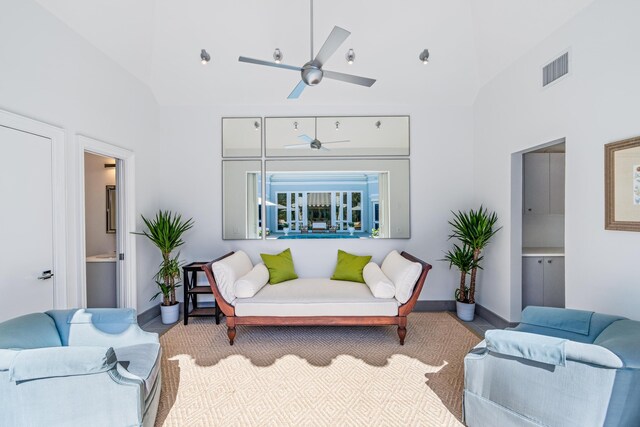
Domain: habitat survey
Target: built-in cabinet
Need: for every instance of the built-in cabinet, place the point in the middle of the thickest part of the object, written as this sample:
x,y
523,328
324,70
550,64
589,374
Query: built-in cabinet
x,y
543,227
543,281
544,183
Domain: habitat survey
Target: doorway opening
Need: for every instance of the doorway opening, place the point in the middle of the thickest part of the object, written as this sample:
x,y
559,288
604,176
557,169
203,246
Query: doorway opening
x,y
107,217
100,191
542,225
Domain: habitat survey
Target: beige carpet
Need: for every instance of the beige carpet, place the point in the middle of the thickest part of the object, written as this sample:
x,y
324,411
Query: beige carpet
x,y
314,376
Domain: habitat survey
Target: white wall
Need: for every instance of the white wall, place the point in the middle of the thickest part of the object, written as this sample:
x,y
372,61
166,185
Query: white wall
x,y
96,178
51,74
596,104
441,180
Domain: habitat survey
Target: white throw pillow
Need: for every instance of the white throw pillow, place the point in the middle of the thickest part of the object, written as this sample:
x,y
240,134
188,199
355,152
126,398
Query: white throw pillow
x,y
381,286
403,273
249,284
228,270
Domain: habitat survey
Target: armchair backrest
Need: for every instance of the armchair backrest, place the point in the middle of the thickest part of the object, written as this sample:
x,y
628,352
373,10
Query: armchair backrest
x,y
35,330
575,325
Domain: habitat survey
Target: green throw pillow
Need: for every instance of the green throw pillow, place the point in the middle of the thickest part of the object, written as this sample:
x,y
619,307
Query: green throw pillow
x,y
350,267
280,266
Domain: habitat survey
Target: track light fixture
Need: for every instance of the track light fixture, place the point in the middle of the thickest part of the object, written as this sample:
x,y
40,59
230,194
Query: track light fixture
x,y
350,56
277,56
424,56
204,57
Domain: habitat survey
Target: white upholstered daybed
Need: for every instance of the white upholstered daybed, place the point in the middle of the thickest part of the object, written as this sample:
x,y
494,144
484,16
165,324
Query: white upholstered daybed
x,y
244,297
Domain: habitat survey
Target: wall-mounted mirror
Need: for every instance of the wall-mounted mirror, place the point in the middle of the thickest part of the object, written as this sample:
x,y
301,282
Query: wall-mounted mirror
x,y
241,136
111,208
337,136
241,199
344,199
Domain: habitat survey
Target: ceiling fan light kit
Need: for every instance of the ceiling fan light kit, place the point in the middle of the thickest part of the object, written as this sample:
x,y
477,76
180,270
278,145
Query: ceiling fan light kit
x,y
312,73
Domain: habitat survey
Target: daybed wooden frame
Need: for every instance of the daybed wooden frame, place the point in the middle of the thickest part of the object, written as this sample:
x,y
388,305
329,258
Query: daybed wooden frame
x,y
400,319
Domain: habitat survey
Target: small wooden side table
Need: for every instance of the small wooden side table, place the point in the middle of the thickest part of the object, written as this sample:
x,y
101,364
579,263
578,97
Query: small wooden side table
x,y
191,292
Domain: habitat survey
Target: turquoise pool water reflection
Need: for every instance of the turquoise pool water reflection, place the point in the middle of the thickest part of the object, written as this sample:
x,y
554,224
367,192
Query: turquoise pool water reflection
x,y
320,236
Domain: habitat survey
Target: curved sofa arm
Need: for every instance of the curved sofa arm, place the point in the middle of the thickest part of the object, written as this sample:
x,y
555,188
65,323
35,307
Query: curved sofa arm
x,y
52,362
549,350
225,306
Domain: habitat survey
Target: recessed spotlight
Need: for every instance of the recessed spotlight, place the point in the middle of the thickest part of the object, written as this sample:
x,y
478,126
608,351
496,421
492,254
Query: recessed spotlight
x,y
350,56
424,56
204,57
277,56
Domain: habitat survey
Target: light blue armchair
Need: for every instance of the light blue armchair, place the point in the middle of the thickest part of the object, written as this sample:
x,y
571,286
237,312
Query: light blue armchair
x,y
83,367
558,367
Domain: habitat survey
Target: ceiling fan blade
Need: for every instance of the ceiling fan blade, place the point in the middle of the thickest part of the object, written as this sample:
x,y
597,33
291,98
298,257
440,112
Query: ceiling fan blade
x,y
306,138
297,91
304,145
336,38
334,142
268,63
349,78
322,147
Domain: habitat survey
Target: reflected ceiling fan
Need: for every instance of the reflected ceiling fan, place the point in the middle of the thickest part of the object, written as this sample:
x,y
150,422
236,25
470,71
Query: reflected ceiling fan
x,y
312,143
312,72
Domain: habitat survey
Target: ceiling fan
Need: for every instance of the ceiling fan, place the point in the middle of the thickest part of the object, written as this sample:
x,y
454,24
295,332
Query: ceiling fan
x,y
312,72
312,143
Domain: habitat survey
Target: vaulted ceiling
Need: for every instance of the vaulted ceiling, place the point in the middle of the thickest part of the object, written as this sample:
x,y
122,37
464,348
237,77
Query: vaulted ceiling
x,y
159,41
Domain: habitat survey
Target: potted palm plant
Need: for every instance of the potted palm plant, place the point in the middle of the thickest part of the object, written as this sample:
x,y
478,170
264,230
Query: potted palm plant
x,y
474,229
165,231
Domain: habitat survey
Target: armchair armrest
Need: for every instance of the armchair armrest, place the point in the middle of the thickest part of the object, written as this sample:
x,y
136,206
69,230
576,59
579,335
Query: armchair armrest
x,y
51,362
549,350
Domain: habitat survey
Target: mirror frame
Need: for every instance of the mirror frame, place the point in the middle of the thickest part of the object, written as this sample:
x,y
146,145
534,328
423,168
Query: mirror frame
x,y
111,211
339,155
355,165
224,195
259,120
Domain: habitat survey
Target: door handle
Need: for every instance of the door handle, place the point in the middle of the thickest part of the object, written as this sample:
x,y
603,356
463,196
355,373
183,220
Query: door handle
x,y
47,274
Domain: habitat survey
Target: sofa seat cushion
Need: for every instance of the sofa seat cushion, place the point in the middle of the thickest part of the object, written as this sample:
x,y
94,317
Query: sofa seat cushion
x,y
141,360
316,297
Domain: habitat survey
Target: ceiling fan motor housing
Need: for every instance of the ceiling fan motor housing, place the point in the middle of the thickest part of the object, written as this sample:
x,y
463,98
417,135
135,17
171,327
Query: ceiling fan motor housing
x,y
311,74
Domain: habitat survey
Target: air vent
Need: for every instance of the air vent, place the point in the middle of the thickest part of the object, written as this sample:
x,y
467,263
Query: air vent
x,y
555,69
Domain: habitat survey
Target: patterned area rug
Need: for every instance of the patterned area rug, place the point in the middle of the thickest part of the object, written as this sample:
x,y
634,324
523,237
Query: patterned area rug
x,y
314,376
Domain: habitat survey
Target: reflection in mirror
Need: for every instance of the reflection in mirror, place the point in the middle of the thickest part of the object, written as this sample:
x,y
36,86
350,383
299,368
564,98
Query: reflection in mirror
x,y
337,136
241,136
241,196
344,199
111,209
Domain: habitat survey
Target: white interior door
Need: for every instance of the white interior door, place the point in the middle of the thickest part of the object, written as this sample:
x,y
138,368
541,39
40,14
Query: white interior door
x,y
27,246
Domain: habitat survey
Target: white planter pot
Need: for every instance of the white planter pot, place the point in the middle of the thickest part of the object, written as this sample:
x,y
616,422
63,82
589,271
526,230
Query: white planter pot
x,y
465,311
170,313
351,230
286,231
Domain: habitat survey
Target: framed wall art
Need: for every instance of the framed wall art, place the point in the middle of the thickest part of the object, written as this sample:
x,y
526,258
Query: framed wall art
x,y
622,185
